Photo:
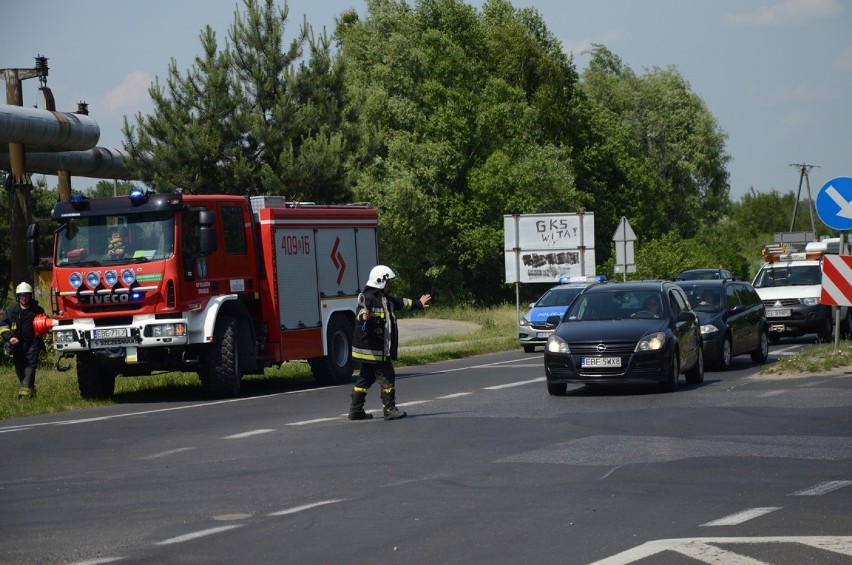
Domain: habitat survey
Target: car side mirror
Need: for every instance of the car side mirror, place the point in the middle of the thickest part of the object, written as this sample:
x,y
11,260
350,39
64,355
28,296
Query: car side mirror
x,y
737,308
686,316
554,320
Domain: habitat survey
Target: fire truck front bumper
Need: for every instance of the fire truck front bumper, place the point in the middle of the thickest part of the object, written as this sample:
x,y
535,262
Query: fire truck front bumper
x,y
149,333
798,320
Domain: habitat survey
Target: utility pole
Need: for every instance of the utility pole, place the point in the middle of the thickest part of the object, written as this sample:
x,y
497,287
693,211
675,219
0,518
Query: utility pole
x,y
804,169
18,183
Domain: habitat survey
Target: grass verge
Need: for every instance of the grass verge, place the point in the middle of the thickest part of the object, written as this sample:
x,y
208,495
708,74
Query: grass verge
x,y
819,358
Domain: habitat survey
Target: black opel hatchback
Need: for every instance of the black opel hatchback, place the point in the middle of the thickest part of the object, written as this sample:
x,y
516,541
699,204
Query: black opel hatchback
x,y
626,332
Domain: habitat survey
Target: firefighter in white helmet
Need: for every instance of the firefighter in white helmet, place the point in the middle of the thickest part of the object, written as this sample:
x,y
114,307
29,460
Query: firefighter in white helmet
x,y
20,340
376,341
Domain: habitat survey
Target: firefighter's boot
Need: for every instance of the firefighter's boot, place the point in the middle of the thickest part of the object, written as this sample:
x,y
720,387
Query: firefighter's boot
x,y
25,393
356,407
389,408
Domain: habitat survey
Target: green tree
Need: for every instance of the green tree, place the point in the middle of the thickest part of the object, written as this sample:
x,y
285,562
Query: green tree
x,y
460,110
257,116
669,156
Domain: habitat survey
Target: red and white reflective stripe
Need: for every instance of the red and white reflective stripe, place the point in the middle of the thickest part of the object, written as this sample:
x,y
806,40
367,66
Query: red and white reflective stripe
x,y
837,280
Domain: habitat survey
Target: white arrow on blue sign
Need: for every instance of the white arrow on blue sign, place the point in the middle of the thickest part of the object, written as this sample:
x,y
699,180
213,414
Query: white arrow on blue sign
x,y
834,203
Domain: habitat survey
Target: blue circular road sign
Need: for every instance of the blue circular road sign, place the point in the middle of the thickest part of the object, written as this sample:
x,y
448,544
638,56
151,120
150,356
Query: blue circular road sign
x,y
834,203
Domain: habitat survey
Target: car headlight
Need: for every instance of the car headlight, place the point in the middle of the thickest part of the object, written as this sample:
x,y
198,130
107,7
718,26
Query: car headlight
x,y
810,301
556,344
708,329
651,342
524,322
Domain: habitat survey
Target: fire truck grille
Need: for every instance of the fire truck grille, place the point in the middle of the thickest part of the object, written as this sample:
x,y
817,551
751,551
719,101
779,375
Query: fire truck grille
x,y
106,308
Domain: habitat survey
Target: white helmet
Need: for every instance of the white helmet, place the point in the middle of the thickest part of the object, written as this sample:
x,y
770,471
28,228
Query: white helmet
x,y
379,276
23,288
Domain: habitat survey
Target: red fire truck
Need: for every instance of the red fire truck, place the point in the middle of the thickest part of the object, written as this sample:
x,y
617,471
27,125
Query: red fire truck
x,y
221,285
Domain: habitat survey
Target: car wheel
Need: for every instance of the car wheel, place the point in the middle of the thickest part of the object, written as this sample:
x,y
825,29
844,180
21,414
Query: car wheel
x,y
826,331
724,362
529,348
670,384
695,374
557,389
846,325
761,354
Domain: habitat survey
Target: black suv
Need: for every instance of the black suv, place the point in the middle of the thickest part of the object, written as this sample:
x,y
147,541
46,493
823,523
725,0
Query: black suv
x,y
625,332
733,320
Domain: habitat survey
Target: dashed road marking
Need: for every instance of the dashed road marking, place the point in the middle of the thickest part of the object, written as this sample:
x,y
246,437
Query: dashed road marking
x,y
166,453
199,534
304,507
249,433
744,516
822,488
510,385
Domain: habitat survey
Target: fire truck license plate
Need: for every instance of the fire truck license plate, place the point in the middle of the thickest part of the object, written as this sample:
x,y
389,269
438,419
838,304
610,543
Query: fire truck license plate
x,y
109,333
105,343
600,362
777,312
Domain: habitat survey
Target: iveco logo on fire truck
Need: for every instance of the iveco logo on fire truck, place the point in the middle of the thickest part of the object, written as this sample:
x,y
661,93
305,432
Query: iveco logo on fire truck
x,y
109,298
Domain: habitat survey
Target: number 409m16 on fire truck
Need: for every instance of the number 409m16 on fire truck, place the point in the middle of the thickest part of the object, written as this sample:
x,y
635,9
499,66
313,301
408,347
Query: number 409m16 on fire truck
x,y
221,285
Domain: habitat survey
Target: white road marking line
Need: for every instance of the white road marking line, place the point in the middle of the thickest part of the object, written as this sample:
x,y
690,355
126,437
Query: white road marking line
x,y
838,544
314,421
822,488
771,393
456,395
198,534
414,402
98,561
305,507
519,383
249,433
744,516
165,453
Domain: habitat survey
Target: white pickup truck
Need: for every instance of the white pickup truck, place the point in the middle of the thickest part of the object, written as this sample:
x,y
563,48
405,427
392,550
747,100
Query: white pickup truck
x,y
790,284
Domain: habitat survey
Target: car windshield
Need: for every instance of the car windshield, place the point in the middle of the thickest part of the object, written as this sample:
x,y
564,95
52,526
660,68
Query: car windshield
x,y
103,240
705,299
791,275
558,297
616,305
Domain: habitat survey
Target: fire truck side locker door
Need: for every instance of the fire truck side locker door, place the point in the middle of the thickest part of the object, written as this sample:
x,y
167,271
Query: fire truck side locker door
x,y
337,263
296,276
368,252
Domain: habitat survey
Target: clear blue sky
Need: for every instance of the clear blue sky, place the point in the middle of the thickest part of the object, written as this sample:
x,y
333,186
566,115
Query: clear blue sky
x,y
776,74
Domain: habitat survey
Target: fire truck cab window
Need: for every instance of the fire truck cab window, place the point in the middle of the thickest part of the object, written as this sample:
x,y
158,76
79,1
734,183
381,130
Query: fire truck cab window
x,y
234,229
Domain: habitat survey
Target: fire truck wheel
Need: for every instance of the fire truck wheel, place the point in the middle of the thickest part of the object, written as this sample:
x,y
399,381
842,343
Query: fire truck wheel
x,y
94,381
336,367
221,366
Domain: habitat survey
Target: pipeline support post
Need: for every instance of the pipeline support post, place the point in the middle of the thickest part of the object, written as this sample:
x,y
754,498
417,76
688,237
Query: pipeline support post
x,y
18,185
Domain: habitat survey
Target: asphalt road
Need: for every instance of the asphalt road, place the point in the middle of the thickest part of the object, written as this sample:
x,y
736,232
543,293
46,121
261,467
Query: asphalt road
x,y
487,468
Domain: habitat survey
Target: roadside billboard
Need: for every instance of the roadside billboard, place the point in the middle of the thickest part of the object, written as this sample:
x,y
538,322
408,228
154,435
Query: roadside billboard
x,y
545,247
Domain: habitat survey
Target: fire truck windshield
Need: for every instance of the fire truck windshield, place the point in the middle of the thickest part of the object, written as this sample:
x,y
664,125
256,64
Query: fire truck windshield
x,y
103,240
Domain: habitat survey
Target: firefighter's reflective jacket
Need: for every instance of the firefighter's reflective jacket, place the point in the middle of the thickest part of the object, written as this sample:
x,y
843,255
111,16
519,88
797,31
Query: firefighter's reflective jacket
x,y
376,337
18,322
